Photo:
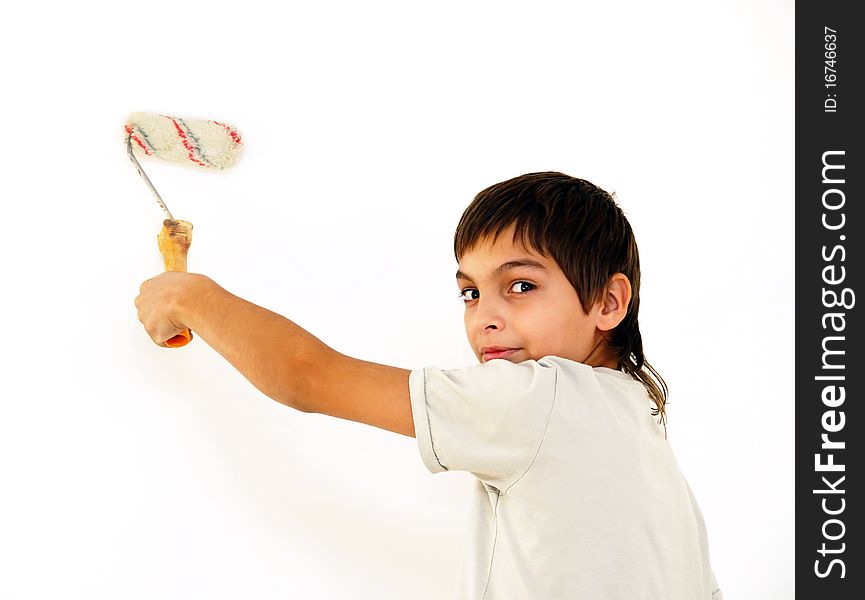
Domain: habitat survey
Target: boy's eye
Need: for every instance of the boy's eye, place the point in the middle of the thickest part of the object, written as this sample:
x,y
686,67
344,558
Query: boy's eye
x,y
466,294
520,287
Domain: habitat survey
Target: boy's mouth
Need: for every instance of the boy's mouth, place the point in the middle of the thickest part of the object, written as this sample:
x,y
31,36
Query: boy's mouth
x,y
491,352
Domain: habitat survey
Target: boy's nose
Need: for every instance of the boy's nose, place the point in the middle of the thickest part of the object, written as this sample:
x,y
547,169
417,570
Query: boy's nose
x,y
488,315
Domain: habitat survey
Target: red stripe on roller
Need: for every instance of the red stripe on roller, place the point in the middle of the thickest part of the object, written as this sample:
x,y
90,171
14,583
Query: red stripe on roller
x,y
137,141
233,133
189,147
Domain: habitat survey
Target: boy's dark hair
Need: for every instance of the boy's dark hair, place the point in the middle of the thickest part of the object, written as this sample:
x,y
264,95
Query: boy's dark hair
x,y
582,228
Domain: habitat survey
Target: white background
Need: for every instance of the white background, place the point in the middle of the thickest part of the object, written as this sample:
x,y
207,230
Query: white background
x,y
132,471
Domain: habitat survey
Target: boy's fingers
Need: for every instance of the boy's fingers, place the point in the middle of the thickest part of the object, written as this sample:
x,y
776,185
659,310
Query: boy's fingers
x,y
157,323
163,334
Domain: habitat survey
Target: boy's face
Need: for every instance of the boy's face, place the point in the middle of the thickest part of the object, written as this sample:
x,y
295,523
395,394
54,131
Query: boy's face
x,y
519,306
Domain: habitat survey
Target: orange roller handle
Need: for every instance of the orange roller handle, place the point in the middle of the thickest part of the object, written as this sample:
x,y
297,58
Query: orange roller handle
x,y
174,240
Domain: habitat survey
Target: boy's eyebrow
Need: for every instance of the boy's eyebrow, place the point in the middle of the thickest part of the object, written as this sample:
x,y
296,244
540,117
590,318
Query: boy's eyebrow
x,y
511,264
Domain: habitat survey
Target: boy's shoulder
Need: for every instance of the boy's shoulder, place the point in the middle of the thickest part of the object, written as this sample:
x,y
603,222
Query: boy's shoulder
x,y
565,364
503,378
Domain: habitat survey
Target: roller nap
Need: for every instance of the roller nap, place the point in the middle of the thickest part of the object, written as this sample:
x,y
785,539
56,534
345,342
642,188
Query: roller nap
x,y
205,144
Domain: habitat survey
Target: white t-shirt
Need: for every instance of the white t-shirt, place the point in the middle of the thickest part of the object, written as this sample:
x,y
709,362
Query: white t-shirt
x,y
578,494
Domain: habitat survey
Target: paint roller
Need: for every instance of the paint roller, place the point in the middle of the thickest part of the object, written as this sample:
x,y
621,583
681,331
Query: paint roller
x,y
201,144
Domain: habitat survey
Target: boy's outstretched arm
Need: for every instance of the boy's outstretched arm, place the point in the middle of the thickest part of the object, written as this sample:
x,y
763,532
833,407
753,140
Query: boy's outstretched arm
x,y
277,356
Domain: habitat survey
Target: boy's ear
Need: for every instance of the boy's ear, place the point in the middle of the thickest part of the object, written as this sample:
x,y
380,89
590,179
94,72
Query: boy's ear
x,y
617,297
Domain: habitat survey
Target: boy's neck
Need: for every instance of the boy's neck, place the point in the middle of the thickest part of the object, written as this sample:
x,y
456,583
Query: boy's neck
x,y
600,356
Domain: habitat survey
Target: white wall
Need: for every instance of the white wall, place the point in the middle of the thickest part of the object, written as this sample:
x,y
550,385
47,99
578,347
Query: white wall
x,y
132,471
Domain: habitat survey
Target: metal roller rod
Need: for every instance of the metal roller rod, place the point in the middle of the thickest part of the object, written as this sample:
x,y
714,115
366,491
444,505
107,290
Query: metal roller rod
x,y
145,177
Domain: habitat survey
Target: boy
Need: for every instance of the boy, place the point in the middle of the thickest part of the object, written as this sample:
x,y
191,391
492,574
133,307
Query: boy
x,y
578,494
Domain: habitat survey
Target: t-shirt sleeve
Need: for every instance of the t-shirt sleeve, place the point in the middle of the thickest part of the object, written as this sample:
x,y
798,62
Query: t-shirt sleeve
x,y
487,419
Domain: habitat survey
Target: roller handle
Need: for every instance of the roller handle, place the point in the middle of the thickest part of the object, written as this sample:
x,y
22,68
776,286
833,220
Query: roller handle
x,y
174,240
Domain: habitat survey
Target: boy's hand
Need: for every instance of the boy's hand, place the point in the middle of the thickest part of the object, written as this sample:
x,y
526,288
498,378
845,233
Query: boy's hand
x,y
162,302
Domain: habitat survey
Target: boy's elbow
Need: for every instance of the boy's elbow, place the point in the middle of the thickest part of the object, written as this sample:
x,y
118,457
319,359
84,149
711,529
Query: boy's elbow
x,y
304,408
330,383
311,385
293,396
285,398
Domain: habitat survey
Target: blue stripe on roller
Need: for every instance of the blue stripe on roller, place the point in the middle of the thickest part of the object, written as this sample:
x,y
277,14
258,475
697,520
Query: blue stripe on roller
x,y
196,143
